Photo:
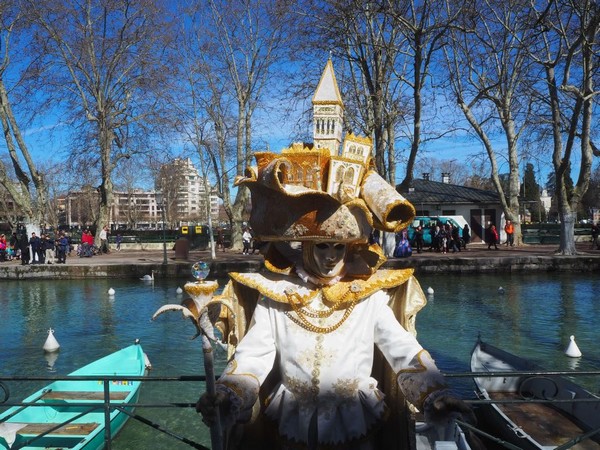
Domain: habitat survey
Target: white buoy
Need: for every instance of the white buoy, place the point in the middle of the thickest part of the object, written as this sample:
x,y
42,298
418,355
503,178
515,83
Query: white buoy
x,y
51,344
500,290
572,349
430,290
179,290
111,291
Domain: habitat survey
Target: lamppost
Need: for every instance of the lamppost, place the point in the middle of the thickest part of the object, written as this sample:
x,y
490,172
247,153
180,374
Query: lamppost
x,y
161,201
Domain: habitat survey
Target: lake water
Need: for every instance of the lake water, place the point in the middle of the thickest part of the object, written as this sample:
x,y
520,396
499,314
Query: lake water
x,y
534,317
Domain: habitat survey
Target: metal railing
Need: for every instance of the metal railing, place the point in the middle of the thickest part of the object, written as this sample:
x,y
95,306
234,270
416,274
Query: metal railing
x,y
530,375
108,405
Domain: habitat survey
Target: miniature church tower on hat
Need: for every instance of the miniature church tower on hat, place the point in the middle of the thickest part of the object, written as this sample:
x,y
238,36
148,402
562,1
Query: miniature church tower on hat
x,y
329,188
328,112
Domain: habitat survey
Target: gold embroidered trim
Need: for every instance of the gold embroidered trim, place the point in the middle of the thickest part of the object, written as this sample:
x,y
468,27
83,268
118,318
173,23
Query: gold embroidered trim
x,y
422,367
436,386
263,285
382,279
271,268
233,365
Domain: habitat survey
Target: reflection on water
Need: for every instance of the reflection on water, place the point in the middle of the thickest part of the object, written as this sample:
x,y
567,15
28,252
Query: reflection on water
x,y
534,317
51,360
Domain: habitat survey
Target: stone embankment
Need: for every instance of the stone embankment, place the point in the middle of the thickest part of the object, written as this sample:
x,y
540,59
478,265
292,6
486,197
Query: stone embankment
x,y
135,264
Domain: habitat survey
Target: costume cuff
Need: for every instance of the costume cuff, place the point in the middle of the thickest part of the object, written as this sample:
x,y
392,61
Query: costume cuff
x,y
421,380
242,391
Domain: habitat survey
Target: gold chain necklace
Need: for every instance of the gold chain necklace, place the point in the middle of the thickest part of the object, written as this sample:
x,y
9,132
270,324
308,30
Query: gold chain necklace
x,y
302,312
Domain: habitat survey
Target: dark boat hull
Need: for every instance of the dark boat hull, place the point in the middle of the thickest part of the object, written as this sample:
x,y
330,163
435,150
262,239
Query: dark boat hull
x,y
532,425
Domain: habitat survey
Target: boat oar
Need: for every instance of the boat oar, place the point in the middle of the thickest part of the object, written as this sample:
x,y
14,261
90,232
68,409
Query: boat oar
x,y
18,410
578,439
499,441
160,428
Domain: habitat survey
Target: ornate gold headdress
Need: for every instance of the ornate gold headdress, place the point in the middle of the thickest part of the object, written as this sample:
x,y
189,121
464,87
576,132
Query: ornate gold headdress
x,y
307,194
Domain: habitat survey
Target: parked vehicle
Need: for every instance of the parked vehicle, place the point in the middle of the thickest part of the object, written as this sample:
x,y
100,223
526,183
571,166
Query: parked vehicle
x,y
429,223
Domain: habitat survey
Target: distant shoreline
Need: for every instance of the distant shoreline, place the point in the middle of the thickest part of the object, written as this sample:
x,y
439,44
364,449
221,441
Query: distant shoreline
x,y
477,259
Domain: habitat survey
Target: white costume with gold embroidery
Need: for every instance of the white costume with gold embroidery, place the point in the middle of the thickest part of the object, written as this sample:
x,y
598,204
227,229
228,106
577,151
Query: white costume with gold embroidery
x,y
325,392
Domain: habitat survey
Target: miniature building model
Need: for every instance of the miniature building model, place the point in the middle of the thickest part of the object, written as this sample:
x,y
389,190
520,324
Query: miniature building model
x,y
324,189
347,170
307,165
344,172
320,166
328,112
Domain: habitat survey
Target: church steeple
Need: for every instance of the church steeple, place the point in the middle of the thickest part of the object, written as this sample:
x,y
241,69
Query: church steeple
x,y
328,112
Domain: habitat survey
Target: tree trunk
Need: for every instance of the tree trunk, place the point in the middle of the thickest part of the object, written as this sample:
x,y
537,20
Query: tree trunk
x,y
567,232
106,186
21,197
241,197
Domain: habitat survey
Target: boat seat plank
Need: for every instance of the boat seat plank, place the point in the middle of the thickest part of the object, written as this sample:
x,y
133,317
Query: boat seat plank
x,y
66,430
544,424
84,395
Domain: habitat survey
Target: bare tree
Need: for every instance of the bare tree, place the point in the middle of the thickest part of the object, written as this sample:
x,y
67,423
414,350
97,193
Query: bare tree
x,y
107,64
425,26
83,206
365,35
389,47
129,177
567,53
204,117
459,171
57,188
169,181
30,199
245,39
488,79
196,125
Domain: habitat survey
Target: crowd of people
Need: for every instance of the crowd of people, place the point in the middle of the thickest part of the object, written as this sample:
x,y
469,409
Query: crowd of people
x,y
33,249
49,247
447,238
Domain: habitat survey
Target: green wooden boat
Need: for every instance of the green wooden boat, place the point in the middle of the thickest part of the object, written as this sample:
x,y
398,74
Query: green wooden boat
x,y
62,421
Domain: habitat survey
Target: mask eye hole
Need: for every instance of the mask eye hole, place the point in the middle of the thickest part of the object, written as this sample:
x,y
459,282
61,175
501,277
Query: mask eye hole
x,y
321,246
340,247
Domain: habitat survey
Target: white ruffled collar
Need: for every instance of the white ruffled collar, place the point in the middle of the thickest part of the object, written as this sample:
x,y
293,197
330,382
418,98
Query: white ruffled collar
x,y
317,281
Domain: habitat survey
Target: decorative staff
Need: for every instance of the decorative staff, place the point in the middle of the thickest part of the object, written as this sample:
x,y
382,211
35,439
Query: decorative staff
x,y
203,314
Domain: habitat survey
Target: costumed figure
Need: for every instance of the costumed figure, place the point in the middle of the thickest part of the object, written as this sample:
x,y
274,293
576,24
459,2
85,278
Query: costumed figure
x,y
322,344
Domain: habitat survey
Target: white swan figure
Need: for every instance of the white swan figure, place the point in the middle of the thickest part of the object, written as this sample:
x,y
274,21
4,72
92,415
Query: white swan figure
x,y
572,349
430,290
148,277
179,291
111,291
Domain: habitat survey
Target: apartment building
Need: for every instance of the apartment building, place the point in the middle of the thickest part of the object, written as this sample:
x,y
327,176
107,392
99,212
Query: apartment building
x,y
179,189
